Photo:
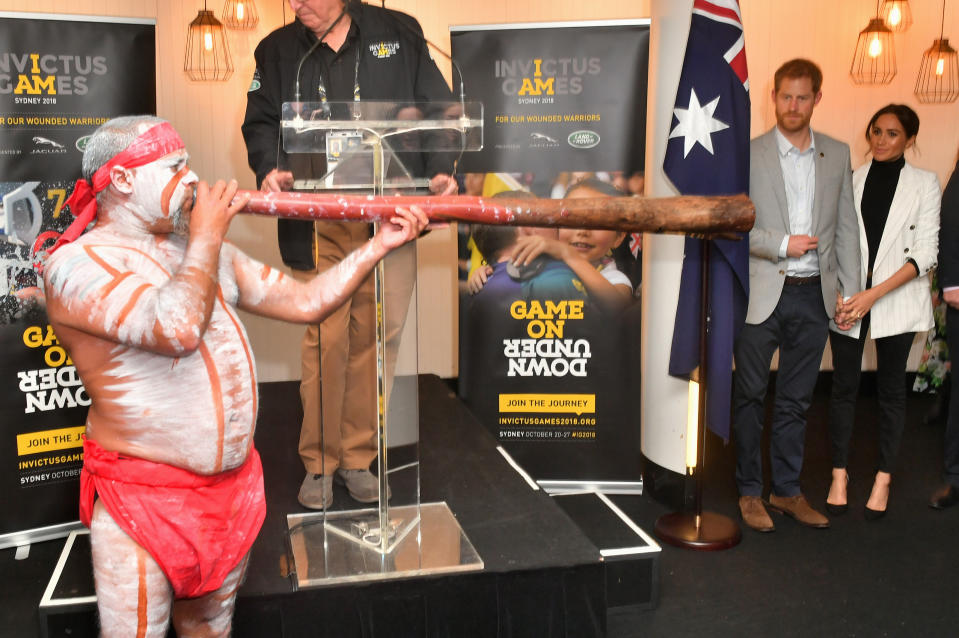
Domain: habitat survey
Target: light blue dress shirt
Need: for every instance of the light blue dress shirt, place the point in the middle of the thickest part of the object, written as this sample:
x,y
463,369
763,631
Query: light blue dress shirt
x,y
799,175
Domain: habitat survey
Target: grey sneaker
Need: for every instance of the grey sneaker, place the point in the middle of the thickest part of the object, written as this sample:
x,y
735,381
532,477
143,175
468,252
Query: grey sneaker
x,y
362,485
316,492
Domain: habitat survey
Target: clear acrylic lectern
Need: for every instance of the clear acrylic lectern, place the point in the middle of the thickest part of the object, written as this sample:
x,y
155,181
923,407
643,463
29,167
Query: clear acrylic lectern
x,y
381,148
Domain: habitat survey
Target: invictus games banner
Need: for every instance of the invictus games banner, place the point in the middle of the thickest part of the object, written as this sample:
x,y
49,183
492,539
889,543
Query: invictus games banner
x,y
548,371
60,78
557,96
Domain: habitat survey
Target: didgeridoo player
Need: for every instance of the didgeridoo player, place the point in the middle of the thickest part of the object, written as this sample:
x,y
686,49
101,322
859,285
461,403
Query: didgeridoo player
x,y
146,303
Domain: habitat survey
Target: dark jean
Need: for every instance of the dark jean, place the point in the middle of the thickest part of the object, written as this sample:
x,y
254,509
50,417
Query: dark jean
x,y
798,328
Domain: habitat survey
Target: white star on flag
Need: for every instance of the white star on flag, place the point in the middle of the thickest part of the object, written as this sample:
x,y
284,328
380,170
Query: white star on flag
x,y
696,124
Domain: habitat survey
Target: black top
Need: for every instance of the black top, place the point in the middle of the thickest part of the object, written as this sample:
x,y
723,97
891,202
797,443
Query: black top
x,y
877,194
394,64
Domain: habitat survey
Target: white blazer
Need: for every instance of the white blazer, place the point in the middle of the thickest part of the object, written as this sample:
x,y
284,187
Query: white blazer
x,y
912,231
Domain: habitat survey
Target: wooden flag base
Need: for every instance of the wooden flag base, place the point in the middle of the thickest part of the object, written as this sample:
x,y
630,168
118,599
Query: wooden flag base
x,y
714,532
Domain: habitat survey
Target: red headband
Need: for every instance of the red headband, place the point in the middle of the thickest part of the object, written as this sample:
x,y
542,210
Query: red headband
x,y
151,145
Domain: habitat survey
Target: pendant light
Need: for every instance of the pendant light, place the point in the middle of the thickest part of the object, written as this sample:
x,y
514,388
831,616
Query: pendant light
x,y
207,53
875,60
938,81
240,14
896,14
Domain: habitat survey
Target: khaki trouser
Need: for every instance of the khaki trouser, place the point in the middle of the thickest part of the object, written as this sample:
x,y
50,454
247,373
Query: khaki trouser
x,y
339,376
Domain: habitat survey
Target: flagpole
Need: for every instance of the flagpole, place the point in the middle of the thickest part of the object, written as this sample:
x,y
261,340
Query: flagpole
x,y
698,529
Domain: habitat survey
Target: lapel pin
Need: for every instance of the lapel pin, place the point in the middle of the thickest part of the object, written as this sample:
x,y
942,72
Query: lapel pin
x,y
821,155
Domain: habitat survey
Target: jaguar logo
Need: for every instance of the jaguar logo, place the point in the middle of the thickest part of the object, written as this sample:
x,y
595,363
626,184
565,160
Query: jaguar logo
x,y
42,141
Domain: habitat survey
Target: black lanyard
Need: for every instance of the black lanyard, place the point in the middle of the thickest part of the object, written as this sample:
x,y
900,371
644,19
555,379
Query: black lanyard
x,y
321,85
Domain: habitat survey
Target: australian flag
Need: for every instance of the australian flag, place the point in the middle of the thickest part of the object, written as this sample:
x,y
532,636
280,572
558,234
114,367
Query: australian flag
x,y
708,154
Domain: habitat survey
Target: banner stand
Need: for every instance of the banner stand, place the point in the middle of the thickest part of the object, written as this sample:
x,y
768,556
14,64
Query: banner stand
x,y
38,534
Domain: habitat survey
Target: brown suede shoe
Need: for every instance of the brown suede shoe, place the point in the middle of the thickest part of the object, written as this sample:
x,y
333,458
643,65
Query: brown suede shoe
x,y
798,508
754,514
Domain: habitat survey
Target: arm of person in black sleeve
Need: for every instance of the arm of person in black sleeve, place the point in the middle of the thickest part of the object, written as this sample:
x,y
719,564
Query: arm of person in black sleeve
x,y
949,234
261,124
430,86
272,81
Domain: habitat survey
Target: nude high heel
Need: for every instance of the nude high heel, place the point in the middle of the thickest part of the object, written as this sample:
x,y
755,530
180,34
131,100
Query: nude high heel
x,y
874,515
839,509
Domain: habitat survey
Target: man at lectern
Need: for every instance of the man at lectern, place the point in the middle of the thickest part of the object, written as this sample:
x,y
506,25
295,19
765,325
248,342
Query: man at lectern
x,y
337,51
146,303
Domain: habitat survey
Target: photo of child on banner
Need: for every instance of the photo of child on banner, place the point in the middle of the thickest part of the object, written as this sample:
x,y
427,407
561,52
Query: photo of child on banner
x,y
543,359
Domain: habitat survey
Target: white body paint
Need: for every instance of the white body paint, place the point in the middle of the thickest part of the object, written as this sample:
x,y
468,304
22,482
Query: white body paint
x,y
177,410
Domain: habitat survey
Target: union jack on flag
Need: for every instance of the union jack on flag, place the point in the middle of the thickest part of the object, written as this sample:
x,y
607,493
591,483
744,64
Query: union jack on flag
x,y
708,154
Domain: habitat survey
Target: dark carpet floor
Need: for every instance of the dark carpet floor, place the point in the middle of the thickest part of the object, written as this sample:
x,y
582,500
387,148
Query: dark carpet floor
x,y
892,577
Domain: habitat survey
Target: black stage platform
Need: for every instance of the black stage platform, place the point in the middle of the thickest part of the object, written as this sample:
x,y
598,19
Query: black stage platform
x,y
542,575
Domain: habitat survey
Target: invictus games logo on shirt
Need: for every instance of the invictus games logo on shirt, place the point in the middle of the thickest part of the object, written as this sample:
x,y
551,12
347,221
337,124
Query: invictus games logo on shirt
x,y
255,84
384,49
583,139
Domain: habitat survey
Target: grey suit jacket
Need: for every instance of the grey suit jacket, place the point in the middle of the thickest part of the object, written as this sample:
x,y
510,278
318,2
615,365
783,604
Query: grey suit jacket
x,y
833,217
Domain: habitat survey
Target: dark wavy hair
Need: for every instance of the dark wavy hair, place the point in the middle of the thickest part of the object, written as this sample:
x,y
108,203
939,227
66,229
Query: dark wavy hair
x,y
492,240
906,116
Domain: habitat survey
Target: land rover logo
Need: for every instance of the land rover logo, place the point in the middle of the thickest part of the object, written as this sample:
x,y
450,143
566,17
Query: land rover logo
x,y
82,143
583,139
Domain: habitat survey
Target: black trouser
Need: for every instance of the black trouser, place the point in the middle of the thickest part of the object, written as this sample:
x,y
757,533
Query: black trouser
x,y
951,450
797,327
891,355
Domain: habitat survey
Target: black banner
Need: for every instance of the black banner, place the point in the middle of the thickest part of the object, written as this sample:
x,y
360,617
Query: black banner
x,y
553,377
60,78
549,373
557,97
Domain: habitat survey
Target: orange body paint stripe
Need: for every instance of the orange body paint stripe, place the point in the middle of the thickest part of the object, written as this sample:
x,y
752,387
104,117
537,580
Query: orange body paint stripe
x,y
168,190
102,262
217,402
127,309
113,270
116,282
142,618
246,350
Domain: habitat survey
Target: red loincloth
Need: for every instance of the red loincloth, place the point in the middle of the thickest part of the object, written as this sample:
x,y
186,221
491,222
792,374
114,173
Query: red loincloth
x,y
197,528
